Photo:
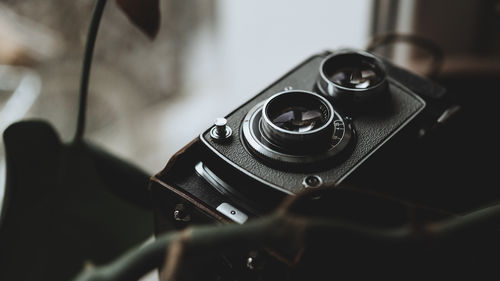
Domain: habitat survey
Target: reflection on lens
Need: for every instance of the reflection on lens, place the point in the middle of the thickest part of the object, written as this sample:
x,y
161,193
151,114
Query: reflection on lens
x,y
299,119
361,77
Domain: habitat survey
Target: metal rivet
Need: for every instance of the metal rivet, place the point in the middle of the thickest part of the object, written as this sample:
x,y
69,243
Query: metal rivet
x,y
312,181
250,263
180,213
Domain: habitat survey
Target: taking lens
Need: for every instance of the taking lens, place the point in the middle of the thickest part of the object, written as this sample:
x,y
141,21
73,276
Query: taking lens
x,y
293,116
297,128
297,118
352,75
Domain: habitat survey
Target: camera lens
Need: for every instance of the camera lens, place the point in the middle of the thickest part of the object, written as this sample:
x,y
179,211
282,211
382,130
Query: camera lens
x,y
360,76
297,120
296,117
296,128
352,75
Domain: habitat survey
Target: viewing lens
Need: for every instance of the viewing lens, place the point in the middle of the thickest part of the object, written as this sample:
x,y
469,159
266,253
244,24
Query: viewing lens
x,y
361,76
352,77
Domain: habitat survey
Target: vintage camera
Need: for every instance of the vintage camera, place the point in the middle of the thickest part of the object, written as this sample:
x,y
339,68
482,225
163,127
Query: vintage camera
x,y
316,126
344,116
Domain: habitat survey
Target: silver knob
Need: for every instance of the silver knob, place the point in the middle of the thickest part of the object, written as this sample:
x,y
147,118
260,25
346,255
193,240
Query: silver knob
x,y
220,125
221,131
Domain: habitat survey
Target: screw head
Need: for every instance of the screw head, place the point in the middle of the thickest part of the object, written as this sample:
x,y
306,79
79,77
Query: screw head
x,y
312,181
181,214
250,263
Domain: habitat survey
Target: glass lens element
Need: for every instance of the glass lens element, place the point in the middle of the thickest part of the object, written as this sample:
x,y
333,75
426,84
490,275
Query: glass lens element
x,y
299,119
361,76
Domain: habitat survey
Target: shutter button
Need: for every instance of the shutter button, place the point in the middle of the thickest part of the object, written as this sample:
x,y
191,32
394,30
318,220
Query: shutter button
x,y
221,131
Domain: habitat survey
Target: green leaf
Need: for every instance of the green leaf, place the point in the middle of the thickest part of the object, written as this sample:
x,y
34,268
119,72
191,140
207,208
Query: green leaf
x,y
66,205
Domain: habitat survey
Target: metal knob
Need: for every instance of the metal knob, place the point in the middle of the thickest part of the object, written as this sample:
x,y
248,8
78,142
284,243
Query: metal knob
x,y
220,126
221,131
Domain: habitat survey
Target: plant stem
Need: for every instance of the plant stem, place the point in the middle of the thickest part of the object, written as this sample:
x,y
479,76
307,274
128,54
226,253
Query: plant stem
x,y
87,62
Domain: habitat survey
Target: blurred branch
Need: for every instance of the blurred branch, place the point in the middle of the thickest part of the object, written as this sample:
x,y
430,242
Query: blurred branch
x,y
209,241
282,230
87,63
144,14
485,219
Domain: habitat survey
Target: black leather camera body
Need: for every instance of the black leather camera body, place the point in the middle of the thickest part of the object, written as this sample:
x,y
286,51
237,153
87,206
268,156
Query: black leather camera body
x,y
315,126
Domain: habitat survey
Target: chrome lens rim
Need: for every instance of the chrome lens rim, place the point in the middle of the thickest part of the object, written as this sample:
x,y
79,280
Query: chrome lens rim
x,y
251,136
338,92
267,121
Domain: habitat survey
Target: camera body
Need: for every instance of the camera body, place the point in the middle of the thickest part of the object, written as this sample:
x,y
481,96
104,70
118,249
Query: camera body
x,y
315,126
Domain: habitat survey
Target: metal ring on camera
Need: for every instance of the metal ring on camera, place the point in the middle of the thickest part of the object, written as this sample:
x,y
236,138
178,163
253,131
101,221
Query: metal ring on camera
x,y
253,137
341,93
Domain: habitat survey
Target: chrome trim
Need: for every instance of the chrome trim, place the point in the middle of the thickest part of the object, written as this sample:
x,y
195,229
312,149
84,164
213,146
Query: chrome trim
x,y
262,150
233,213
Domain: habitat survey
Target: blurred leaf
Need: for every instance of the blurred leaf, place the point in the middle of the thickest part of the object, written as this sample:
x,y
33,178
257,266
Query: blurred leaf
x,y
66,205
145,14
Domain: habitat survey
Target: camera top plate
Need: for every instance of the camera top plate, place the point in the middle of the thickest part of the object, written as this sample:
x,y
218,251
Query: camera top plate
x,y
373,129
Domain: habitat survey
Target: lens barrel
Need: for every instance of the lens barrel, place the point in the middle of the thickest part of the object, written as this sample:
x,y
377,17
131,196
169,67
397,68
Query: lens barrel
x,y
296,128
352,76
296,120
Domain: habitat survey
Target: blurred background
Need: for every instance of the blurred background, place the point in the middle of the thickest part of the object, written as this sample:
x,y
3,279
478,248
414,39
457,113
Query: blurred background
x,y
149,98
